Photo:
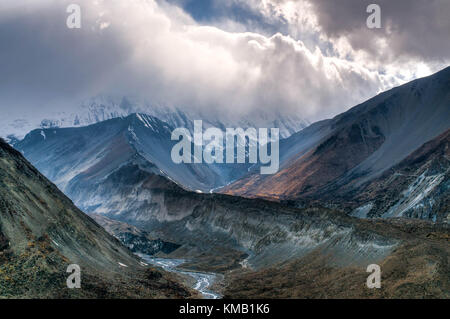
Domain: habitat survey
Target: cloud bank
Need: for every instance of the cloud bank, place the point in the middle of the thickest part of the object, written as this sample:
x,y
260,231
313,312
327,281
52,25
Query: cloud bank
x,y
158,52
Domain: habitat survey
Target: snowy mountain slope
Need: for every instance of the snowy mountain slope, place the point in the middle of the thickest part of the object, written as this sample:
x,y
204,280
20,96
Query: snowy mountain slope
x,y
102,108
71,155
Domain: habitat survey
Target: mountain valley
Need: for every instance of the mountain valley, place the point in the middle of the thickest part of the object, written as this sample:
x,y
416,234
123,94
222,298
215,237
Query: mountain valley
x,y
370,186
42,233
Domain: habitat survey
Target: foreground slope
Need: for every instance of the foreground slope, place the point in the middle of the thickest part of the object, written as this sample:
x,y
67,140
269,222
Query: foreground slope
x,y
42,232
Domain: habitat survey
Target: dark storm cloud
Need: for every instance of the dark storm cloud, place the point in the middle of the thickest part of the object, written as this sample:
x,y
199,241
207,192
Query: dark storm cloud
x,y
42,59
159,53
411,28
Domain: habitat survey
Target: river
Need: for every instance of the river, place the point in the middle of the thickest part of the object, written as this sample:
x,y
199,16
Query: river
x,y
203,281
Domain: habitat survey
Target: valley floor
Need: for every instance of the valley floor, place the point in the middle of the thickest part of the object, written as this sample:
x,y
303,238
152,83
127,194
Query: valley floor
x,y
417,268
200,281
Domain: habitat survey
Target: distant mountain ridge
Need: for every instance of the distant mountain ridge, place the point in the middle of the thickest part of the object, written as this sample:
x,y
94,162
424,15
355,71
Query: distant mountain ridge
x,y
72,156
103,107
328,162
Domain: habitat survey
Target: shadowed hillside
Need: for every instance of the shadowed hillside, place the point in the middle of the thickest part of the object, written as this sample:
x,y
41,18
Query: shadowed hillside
x,y
42,232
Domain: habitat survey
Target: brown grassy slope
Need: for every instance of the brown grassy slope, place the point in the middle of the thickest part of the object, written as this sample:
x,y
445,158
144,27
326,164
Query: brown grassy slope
x,y
321,165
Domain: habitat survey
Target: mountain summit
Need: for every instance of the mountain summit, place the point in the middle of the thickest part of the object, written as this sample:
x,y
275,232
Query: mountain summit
x,y
103,107
332,160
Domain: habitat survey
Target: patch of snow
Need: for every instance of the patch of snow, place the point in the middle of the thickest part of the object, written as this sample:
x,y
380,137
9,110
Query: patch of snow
x,y
414,194
133,135
375,246
362,211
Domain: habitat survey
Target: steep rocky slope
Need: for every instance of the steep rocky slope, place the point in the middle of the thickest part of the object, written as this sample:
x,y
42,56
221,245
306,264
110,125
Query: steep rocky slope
x,y
232,229
265,249
42,232
417,187
333,158
78,160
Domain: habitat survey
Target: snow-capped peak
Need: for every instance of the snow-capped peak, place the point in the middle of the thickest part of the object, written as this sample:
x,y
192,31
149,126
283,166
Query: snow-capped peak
x,y
102,107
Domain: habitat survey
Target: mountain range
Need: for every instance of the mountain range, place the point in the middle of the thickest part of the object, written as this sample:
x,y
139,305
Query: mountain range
x,y
105,107
368,186
335,163
250,241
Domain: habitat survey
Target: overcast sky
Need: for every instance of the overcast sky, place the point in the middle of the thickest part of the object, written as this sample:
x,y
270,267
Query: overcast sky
x,y
315,58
